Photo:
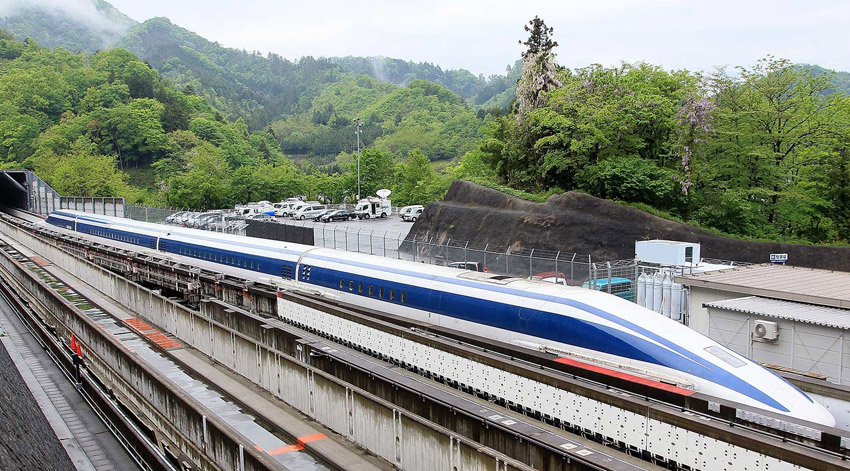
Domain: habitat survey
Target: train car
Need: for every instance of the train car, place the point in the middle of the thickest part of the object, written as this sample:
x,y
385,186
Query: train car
x,y
571,322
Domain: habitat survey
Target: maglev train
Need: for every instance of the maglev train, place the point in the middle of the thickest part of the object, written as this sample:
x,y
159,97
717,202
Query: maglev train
x,y
572,322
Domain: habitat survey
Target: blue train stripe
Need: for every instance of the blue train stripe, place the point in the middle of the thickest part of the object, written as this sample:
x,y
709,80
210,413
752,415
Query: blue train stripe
x,y
558,328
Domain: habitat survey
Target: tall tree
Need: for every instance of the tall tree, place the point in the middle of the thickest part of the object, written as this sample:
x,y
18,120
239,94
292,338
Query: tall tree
x,y
539,70
771,127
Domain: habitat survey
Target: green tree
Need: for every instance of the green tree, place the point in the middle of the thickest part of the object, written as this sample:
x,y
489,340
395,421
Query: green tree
x,y
85,173
376,171
539,70
206,182
136,132
414,180
771,129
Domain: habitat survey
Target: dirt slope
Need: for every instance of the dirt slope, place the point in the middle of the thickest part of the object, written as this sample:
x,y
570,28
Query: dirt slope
x,y
576,222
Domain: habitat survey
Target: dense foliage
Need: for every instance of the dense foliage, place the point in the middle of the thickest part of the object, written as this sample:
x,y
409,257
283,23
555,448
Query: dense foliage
x,y
72,27
422,115
760,153
86,124
495,91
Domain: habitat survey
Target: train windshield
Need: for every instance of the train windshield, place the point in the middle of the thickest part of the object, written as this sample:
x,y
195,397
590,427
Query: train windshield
x,y
725,356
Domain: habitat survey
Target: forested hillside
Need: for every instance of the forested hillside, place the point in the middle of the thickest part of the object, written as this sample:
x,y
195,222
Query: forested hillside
x,y
840,80
241,84
763,152
87,124
421,115
494,92
77,30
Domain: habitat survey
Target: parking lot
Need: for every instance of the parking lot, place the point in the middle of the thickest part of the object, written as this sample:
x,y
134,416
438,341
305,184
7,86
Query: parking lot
x,y
372,236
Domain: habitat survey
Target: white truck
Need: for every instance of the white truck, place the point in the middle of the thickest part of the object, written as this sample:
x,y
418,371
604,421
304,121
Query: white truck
x,y
372,207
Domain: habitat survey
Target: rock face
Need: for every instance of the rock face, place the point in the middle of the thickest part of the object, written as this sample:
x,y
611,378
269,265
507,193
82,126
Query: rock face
x,y
580,223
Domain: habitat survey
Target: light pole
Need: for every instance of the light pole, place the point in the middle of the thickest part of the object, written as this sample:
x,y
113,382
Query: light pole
x,y
358,131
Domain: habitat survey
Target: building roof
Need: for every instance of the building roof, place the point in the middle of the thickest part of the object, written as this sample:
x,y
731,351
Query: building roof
x,y
806,285
820,315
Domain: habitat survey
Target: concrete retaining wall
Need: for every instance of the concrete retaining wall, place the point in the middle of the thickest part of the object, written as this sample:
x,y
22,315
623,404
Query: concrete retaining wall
x,y
178,418
241,343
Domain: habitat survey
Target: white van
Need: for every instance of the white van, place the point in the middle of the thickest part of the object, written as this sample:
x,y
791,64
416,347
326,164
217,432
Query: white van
x,y
295,207
309,211
409,209
280,209
373,208
413,214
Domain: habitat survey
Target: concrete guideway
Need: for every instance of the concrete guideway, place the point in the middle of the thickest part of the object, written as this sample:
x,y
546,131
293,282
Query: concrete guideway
x,y
240,341
258,440
86,440
30,440
201,330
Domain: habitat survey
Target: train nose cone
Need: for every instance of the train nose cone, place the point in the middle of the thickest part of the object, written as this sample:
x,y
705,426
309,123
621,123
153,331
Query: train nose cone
x,y
818,414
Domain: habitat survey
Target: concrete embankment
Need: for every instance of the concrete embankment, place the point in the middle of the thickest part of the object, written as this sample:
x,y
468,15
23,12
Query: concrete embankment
x,y
580,223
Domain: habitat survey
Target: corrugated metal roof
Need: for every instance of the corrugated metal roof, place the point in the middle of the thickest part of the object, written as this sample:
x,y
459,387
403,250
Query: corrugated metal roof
x,y
808,285
820,315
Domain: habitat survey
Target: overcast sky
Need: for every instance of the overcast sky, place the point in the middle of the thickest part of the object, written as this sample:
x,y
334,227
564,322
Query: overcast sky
x,y
482,35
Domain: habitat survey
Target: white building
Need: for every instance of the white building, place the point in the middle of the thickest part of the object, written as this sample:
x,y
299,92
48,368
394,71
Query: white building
x,y
791,317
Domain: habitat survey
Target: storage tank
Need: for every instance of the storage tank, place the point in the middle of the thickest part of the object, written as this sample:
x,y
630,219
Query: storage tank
x,y
666,296
641,290
657,296
650,291
676,302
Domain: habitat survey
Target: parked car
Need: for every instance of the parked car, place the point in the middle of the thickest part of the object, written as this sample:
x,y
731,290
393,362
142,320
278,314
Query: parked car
x,y
309,211
293,209
322,213
261,217
280,209
338,215
550,277
175,218
621,287
413,214
408,209
204,221
473,266
372,207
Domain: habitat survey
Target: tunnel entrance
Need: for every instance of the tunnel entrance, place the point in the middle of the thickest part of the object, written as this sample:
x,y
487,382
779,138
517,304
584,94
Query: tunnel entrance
x,y
23,190
14,186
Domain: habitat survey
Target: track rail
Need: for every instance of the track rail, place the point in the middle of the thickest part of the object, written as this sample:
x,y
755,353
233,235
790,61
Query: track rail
x,y
195,283
128,433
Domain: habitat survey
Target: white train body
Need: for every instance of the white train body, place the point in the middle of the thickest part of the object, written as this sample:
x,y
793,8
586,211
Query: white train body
x,y
572,322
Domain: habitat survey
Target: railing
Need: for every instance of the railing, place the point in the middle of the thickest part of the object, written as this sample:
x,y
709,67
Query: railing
x,y
619,277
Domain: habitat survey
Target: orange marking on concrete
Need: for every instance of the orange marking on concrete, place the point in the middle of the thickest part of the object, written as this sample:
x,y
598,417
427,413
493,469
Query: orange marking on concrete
x,y
151,334
258,448
286,449
311,438
139,324
39,261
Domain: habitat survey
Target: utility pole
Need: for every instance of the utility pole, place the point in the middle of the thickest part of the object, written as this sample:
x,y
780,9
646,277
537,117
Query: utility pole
x,y
358,131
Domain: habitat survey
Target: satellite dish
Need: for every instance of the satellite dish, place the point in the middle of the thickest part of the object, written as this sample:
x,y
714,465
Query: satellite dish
x,y
383,193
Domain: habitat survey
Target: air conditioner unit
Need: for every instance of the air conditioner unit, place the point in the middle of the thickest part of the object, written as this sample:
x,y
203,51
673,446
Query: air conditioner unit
x,y
765,331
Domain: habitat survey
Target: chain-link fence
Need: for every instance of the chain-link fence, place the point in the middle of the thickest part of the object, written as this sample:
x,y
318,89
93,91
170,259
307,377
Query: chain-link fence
x,y
559,267
149,214
619,277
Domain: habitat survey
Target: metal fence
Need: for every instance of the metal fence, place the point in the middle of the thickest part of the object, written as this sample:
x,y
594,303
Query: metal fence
x,y
560,266
149,214
95,205
619,277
